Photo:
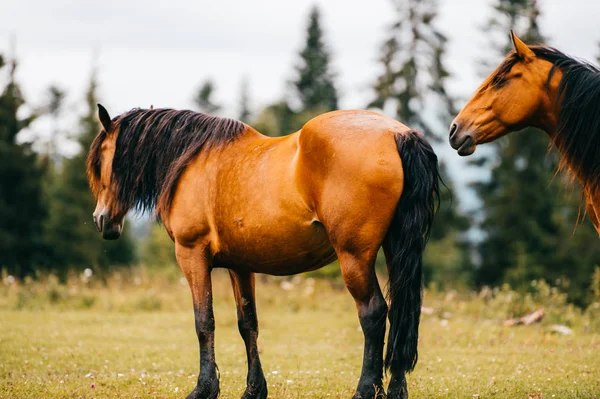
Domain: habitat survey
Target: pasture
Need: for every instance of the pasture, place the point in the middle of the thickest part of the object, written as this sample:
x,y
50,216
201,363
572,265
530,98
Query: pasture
x,y
132,336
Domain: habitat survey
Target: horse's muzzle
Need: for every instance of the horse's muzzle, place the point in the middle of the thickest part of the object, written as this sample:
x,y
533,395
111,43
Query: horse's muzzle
x,y
461,141
109,229
112,231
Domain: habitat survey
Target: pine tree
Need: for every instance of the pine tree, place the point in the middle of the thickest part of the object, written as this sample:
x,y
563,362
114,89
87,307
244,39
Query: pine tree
x,y
54,108
22,210
384,87
75,243
244,106
204,98
510,237
313,88
413,77
314,84
528,215
412,84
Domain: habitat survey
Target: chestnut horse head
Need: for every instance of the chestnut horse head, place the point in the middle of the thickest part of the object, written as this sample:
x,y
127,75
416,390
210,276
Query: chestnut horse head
x,y
108,215
514,96
540,86
137,158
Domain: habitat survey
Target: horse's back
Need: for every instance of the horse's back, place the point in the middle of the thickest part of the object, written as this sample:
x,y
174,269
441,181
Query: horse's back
x,y
356,141
350,122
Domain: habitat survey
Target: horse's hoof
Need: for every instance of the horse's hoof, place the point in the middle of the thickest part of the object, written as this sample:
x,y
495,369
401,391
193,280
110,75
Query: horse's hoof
x,y
258,391
397,390
401,394
207,390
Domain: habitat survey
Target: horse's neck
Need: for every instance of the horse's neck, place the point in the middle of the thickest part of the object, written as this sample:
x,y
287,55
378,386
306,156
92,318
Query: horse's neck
x,y
547,118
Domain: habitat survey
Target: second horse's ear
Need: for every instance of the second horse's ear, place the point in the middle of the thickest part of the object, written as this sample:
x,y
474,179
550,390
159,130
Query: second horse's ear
x,y
521,48
104,118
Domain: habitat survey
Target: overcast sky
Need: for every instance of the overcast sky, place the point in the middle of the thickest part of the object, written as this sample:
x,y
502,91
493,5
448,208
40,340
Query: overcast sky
x,y
157,52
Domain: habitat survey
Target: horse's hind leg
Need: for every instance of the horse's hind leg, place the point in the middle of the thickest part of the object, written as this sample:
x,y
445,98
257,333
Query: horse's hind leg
x,y
360,278
243,289
195,266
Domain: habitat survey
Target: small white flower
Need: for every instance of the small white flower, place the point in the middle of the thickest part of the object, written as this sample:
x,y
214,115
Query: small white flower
x,y
88,273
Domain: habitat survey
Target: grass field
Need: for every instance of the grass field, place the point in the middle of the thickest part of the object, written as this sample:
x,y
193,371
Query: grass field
x,y
134,338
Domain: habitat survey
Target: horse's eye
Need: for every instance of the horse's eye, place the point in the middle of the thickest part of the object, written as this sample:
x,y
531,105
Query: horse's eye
x,y
517,75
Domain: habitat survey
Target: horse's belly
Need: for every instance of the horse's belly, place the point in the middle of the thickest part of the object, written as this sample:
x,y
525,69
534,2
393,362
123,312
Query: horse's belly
x,y
277,249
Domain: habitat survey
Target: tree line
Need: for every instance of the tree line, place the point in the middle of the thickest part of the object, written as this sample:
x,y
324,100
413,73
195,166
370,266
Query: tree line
x,y
523,230
45,203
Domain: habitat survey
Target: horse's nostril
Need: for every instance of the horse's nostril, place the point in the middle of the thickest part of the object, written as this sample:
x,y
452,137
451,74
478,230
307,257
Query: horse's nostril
x,y
453,129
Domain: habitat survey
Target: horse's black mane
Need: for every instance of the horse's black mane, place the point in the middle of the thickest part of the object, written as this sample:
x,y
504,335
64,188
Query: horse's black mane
x,y
578,133
153,148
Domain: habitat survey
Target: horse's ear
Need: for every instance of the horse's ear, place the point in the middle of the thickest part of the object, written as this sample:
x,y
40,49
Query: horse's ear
x,y
104,118
521,48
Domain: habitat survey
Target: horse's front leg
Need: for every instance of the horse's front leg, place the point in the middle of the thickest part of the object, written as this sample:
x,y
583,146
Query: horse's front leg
x,y
195,265
243,289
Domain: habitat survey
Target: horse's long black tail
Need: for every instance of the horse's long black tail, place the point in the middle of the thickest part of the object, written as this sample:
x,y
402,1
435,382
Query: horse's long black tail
x,y
406,240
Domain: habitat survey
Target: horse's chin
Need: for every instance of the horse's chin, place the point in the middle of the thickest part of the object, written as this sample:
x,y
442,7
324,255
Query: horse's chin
x,y
112,231
467,147
465,151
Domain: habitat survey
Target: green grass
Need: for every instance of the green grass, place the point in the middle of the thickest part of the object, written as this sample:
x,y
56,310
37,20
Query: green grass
x,y
310,342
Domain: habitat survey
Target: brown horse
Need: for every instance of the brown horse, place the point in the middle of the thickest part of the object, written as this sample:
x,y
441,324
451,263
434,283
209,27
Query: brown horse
x,y
540,86
348,183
